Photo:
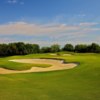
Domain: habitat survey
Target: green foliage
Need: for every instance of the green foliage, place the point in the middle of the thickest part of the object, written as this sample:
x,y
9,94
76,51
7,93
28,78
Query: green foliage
x,y
18,49
45,50
68,47
55,48
21,48
81,48
3,49
35,48
94,48
12,49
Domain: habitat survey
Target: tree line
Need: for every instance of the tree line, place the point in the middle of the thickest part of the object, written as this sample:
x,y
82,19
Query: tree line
x,y
21,48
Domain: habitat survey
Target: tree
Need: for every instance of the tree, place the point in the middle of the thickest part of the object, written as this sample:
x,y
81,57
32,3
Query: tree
x,y
3,49
21,49
68,47
94,48
12,49
55,48
35,48
45,50
28,48
82,48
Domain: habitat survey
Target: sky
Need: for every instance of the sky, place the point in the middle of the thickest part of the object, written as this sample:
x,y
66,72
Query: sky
x,y
47,22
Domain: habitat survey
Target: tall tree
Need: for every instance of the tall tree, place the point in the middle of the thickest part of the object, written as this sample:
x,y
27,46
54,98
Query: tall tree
x,y
94,48
12,49
3,49
55,48
82,48
68,47
35,48
21,48
45,50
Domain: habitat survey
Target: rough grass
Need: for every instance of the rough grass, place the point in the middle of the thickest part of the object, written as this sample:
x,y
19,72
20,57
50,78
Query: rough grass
x,y
80,83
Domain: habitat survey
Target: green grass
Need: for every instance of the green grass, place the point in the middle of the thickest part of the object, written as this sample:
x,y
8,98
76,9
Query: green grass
x,y
5,63
80,83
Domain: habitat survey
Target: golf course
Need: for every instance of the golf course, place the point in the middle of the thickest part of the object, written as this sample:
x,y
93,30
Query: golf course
x,y
67,76
49,50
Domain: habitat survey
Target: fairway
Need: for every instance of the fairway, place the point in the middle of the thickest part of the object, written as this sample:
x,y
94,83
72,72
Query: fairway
x,y
49,50
81,82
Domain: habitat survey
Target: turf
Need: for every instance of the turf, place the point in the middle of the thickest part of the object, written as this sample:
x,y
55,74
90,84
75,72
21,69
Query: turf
x,y
80,83
5,63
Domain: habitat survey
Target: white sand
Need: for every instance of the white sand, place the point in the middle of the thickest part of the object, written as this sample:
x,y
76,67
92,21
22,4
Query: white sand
x,y
56,65
53,54
67,54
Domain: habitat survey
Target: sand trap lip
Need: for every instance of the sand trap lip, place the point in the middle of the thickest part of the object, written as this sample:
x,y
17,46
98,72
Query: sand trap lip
x,y
53,54
67,54
56,65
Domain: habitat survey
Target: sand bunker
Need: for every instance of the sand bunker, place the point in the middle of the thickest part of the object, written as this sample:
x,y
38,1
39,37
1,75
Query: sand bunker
x,y
53,54
56,65
61,54
67,54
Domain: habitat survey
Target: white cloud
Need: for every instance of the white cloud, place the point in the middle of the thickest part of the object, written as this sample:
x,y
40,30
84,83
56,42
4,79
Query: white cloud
x,y
57,33
27,28
12,1
88,24
54,30
16,2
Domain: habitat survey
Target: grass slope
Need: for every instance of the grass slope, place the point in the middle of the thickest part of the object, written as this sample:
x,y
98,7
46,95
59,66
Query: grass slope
x,y
5,63
80,83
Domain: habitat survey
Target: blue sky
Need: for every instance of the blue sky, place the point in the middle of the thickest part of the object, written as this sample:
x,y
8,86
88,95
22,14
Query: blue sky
x,y
50,21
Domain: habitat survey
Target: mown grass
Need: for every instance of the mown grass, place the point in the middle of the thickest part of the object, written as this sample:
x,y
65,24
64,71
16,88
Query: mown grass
x,y
80,83
5,63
